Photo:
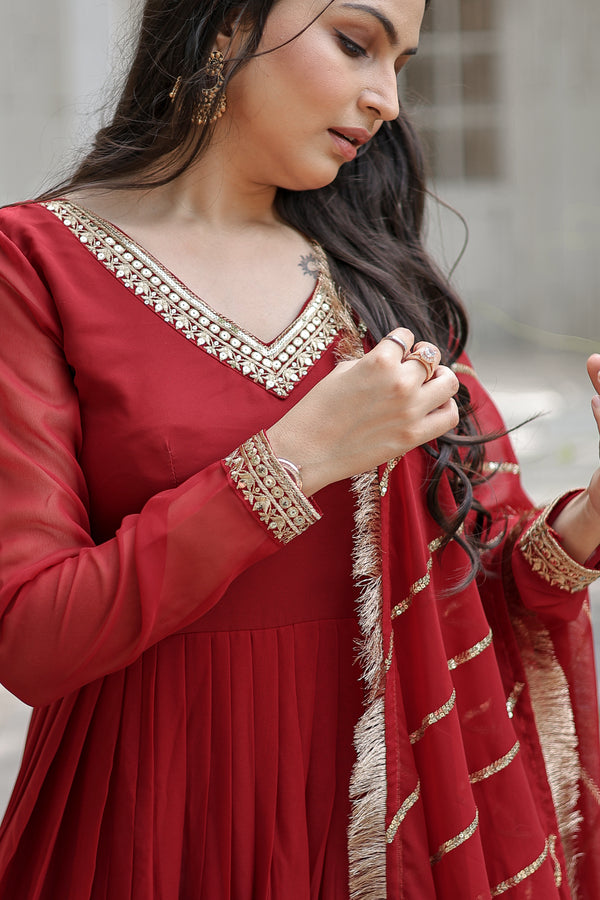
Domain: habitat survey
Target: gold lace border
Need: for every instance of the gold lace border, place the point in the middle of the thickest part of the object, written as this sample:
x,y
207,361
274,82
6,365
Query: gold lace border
x,y
277,367
551,562
269,490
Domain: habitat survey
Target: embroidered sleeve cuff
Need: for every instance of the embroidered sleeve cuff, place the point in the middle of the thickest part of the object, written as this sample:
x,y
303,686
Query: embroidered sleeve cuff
x,y
269,490
541,549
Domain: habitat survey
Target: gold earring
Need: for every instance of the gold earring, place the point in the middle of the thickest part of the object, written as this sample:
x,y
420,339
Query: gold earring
x,y
175,91
207,111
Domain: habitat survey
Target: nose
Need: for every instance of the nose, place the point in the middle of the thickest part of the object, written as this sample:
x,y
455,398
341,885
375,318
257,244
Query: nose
x,y
381,97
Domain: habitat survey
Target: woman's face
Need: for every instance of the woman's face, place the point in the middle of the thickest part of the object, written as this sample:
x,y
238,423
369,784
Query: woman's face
x,y
299,113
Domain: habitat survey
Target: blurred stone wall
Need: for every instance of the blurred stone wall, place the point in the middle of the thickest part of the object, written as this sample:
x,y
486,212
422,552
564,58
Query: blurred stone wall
x,y
533,261
55,59
532,266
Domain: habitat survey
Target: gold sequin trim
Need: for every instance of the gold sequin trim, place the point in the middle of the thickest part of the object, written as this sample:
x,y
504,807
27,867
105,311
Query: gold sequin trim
x,y
385,478
505,468
473,652
512,701
422,583
590,785
433,717
269,490
455,842
495,767
528,871
390,653
461,369
402,813
546,557
277,367
558,877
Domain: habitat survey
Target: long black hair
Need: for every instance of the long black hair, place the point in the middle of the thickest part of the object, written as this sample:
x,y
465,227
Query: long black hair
x,y
369,220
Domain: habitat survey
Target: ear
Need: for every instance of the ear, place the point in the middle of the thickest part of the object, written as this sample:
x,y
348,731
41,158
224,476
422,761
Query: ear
x,y
231,32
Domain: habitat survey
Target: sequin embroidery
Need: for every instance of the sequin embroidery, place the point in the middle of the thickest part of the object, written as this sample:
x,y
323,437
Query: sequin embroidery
x,y
455,842
402,813
528,871
433,717
495,767
422,583
512,701
472,653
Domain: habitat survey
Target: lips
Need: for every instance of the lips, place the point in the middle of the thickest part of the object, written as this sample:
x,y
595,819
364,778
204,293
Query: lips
x,y
348,140
352,141
344,147
355,136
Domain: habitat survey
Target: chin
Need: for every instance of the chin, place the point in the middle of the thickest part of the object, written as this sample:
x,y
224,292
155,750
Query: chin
x,y
313,180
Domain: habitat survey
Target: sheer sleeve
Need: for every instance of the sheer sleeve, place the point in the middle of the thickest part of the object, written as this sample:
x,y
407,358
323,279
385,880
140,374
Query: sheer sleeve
x,y
555,590
72,611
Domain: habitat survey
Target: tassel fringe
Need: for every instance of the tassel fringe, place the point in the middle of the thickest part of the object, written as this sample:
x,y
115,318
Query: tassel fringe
x,y
551,701
368,784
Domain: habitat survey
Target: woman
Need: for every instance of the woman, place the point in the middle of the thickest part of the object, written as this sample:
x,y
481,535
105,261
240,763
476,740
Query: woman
x,y
222,318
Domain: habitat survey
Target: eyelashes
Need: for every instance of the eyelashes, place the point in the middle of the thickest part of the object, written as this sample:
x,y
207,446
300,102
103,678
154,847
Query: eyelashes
x,y
350,47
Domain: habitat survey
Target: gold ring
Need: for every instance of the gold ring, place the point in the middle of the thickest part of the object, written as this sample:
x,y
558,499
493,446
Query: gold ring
x,y
427,356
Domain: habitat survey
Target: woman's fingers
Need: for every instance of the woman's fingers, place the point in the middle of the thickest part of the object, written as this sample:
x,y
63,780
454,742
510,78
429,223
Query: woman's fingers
x,y
368,411
416,377
443,418
444,382
403,338
427,356
596,409
593,367
422,358
439,416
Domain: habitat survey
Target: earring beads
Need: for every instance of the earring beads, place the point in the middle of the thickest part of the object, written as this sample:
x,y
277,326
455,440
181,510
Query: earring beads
x,y
213,101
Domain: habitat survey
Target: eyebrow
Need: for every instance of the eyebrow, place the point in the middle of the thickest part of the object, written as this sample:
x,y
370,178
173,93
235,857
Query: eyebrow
x,y
383,20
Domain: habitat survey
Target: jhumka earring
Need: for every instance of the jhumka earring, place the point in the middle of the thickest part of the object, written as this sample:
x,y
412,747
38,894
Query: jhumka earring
x,y
206,112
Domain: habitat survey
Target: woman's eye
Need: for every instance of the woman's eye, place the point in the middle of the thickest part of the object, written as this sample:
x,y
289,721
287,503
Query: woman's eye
x,y
350,47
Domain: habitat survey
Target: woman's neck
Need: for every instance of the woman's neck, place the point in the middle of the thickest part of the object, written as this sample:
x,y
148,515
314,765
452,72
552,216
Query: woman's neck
x,y
217,190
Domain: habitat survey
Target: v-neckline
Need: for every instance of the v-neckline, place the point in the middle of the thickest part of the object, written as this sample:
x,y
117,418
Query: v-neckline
x,y
277,365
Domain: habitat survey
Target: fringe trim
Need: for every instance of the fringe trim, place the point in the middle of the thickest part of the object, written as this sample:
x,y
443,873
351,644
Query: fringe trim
x,y
551,702
368,784
590,785
368,792
367,574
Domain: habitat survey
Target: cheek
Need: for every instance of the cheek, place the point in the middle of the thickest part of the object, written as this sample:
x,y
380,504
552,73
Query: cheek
x,y
312,88
310,67
305,85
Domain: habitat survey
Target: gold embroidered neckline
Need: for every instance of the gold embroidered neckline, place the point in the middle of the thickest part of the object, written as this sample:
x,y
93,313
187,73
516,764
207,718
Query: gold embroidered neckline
x,y
277,366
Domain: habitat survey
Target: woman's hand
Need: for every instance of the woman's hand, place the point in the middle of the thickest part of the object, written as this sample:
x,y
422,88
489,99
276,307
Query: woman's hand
x,y
578,524
367,412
